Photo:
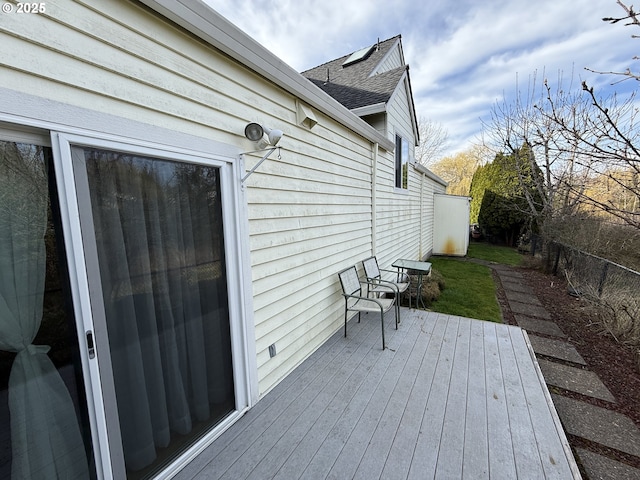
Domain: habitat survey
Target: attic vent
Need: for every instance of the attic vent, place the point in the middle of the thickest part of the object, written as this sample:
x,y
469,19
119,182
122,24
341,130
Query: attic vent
x,y
305,116
358,56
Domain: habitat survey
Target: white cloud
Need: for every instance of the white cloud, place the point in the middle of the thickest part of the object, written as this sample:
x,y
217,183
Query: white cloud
x,y
304,33
463,57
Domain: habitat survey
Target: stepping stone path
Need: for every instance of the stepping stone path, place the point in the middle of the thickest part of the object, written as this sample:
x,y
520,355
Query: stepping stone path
x,y
563,367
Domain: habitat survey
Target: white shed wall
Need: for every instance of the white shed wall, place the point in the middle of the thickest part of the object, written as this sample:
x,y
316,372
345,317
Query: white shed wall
x,y
451,217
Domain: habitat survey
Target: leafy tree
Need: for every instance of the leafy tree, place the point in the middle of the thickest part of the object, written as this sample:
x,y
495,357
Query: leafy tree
x,y
480,183
501,192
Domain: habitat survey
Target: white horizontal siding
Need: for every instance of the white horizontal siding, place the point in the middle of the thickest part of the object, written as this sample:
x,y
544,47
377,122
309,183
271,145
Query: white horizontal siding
x,y
398,211
309,211
391,61
310,216
145,70
377,121
429,189
404,219
398,110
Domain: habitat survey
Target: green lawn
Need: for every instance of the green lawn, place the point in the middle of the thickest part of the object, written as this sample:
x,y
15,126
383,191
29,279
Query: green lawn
x,y
470,290
494,253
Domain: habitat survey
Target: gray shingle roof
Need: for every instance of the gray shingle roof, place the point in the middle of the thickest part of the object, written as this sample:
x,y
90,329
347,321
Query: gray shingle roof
x,y
353,85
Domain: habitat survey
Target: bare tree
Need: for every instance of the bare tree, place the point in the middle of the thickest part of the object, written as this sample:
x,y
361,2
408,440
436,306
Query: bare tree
x,y
615,139
578,139
457,170
631,18
531,120
434,140
607,148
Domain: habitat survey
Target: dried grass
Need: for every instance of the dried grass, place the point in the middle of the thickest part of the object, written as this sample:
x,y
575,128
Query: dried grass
x,y
617,298
432,287
615,289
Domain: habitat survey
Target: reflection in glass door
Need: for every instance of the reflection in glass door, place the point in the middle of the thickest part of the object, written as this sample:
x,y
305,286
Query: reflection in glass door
x,y
44,429
158,233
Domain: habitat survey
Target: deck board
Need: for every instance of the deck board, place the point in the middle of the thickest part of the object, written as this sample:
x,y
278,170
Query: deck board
x,y
450,398
550,437
375,456
372,413
402,451
451,451
501,461
525,452
476,444
428,442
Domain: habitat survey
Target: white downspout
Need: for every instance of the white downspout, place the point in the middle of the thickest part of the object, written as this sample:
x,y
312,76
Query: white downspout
x,y
421,216
374,199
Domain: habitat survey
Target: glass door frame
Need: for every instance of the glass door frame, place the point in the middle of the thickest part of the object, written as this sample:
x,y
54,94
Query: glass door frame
x,y
90,313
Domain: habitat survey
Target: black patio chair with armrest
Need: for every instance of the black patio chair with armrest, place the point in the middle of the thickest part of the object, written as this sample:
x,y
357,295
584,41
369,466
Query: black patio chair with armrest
x,y
380,285
355,301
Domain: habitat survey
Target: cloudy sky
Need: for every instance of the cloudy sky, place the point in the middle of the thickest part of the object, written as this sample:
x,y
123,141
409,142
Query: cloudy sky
x,y
464,55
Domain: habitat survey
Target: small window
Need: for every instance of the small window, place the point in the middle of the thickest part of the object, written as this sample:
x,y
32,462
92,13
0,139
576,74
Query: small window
x,y
402,163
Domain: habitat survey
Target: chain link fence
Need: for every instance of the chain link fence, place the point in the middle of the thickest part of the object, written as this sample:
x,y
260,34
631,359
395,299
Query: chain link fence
x,y
615,287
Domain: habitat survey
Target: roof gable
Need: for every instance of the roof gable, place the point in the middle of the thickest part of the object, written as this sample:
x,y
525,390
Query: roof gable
x,y
368,77
370,91
365,77
404,95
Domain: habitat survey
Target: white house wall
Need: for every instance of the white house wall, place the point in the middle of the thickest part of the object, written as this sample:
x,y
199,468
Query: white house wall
x,y
310,217
309,211
397,210
404,219
399,117
309,214
429,189
145,70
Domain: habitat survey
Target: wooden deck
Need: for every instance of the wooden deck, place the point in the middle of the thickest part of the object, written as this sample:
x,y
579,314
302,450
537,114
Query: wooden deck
x,y
450,398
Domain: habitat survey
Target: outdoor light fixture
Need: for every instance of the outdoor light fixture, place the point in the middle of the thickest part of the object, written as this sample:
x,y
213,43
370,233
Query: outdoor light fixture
x,y
253,131
263,137
273,135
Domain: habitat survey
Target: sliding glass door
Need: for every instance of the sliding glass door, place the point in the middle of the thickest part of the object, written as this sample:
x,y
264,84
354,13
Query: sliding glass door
x,y
156,228
118,352
44,426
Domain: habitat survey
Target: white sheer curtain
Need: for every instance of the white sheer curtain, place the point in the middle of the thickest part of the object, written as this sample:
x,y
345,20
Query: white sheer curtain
x,y
45,436
159,241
